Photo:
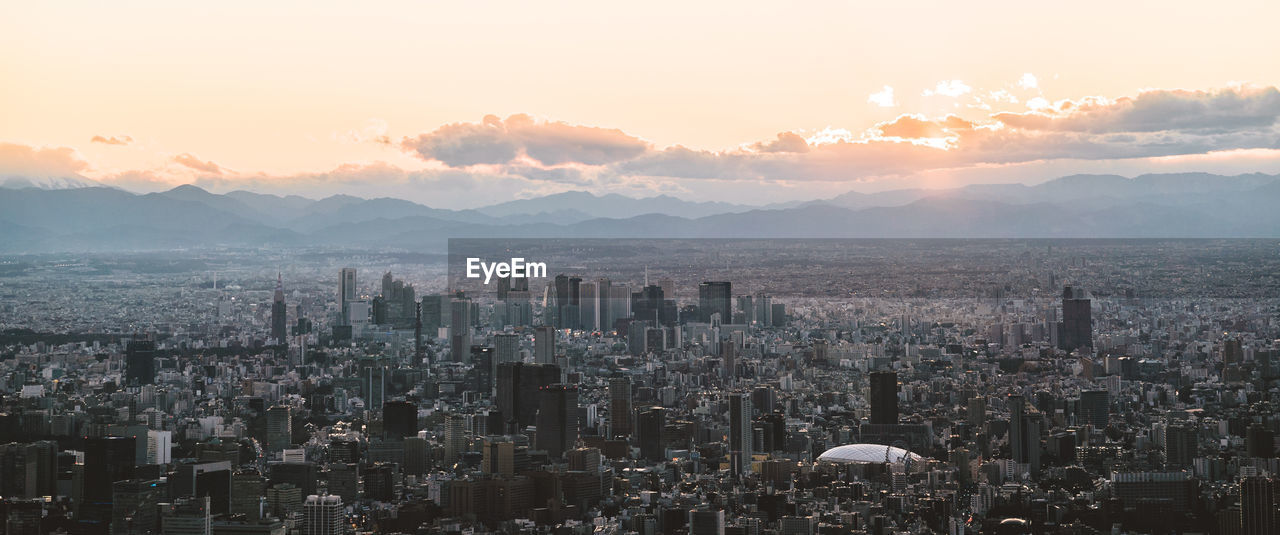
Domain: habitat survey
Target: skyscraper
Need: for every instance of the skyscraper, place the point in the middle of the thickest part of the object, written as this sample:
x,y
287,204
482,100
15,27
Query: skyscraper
x,y
1258,506
518,386
455,436
484,367
506,348
620,406
279,327
1076,329
715,298
1095,408
323,515
740,433
557,419
544,345
1181,444
399,419
346,294
279,428
460,329
650,423
106,460
140,362
884,397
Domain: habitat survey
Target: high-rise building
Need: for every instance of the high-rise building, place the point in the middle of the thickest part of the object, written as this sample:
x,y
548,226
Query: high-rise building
x,y
620,406
715,298
455,436
557,419
650,424
884,397
106,460
977,413
346,294
1181,444
706,522
322,515
1258,506
1076,329
544,345
460,329
740,432
133,508
1095,408
1259,441
247,488
186,516
140,362
279,428
399,419
588,307
518,386
279,326
506,348
484,367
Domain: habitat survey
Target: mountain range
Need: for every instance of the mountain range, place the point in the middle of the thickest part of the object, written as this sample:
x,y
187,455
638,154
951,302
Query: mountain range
x,y
47,216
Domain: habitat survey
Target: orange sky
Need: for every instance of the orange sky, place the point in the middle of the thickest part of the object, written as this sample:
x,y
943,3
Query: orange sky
x,y
256,93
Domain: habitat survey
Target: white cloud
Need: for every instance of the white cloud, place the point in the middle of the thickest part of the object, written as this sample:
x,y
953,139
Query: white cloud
x,y
948,88
1039,103
1028,81
883,98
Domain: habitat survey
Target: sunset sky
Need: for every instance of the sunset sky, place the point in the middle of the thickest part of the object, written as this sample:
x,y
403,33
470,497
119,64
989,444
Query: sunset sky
x,y
459,104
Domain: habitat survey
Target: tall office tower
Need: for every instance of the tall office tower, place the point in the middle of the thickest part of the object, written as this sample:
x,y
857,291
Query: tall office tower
x,y
572,314
1181,444
715,298
159,447
279,428
455,437
279,327
399,419
557,419
323,515
419,349
1017,433
650,423
884,397
506,348
544,345
460,329
518,386
106,460
1259,441
604,290
588,307
1095,408
619,303
1258,506
977,415
247,486
646,304
729,355
133,506
1076,329
498,457
748,307
764,310
620,406
433,314
140,362
706,522
346,294
740,433
483,369
186,515
1231,351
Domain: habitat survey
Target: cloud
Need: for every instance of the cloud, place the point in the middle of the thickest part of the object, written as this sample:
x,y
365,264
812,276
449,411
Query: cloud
x,y
199,165
24,160
1219,111
1028,81
786,142
948,88
883,98
496,141
112,140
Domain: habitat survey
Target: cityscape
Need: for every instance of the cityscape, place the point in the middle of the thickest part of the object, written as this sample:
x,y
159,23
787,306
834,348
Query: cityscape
x,y
569,267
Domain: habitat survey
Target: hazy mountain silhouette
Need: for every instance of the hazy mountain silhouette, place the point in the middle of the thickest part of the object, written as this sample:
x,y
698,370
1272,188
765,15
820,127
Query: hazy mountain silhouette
x,y
1078,206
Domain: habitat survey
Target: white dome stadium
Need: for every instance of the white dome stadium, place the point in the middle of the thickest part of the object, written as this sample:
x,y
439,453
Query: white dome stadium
x,y
868,454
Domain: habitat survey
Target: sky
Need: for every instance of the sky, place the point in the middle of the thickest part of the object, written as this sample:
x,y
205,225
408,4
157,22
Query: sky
x,y
461,104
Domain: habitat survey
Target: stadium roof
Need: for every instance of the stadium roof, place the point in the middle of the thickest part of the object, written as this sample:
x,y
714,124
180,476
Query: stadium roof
x,y
868,453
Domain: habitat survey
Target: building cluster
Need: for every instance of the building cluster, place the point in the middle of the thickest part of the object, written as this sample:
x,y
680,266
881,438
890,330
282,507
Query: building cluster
x,y
578,404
